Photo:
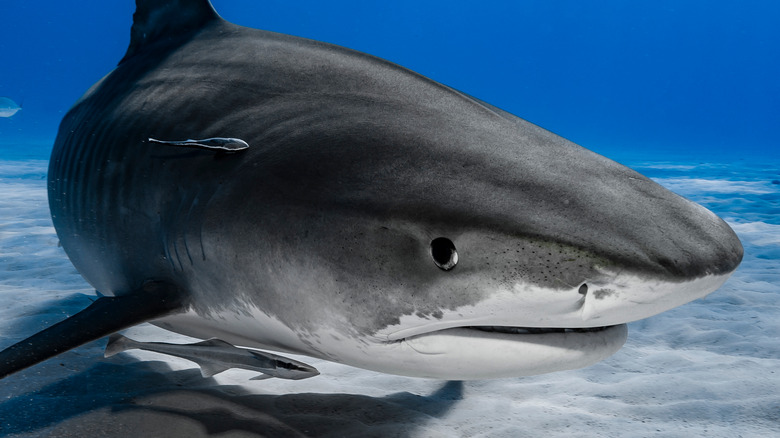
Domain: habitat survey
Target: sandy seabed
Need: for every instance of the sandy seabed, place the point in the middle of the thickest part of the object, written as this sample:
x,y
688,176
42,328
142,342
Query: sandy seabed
x,y
709,368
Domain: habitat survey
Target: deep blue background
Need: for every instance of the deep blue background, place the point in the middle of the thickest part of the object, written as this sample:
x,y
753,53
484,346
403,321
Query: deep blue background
x,y
661,79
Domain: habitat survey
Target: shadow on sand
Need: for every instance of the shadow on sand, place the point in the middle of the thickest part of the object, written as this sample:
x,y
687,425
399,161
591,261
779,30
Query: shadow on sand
x,y
148,399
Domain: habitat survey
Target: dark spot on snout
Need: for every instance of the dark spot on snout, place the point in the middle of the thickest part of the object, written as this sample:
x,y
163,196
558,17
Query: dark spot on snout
x,y
444,254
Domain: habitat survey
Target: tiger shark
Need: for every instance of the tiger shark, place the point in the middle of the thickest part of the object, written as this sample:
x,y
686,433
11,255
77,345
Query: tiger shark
x,y
281,193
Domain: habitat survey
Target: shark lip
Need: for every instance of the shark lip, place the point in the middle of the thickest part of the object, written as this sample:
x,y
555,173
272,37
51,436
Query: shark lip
x,y
535,330
499,329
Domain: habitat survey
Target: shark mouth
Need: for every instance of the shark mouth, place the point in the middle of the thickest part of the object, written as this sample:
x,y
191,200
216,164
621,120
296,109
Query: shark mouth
x,y
535,330
432,330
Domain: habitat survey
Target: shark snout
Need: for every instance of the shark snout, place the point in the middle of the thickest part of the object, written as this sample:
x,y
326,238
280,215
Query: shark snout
x,y
700,245
729,256
642,227
688,252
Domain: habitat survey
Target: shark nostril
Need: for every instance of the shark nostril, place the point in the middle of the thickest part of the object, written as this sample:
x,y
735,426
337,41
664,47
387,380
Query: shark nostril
x,y
444,254
583,289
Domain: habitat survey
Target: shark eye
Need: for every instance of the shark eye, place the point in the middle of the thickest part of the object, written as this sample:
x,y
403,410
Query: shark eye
x,y
583,289
444,254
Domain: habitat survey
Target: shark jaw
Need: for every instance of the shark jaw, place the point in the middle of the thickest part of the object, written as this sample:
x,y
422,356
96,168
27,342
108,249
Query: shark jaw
x,y
503,336
468,353
486,341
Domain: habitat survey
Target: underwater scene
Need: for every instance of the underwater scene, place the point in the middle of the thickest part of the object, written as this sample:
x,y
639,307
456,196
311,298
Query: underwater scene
x,y
682,92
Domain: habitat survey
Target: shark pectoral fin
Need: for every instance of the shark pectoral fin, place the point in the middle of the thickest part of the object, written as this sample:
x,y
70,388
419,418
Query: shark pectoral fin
x,y
217,144
104,316
209,369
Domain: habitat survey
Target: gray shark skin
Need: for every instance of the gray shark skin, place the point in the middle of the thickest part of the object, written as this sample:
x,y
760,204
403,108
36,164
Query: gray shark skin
x,y
375,217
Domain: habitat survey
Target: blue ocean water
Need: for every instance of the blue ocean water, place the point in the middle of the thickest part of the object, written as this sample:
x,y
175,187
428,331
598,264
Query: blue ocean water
x,y
654,79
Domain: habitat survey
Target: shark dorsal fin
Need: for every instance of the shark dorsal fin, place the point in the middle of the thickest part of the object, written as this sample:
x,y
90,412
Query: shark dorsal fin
x,y
155,20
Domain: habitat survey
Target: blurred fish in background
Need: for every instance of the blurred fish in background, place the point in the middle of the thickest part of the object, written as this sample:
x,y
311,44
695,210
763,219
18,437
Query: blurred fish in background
x,y
8,107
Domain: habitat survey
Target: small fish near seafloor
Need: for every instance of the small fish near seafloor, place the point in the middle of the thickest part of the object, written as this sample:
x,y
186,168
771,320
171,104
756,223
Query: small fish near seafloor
x,y
8,107
215,356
